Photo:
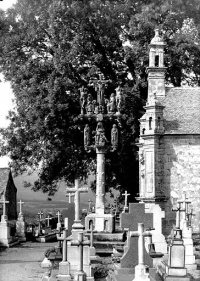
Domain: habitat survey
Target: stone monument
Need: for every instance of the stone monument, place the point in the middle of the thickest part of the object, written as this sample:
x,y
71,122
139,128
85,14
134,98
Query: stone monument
x,y
100,110
141,270
174,268
21,224
64,265
76,191
5,238
125,209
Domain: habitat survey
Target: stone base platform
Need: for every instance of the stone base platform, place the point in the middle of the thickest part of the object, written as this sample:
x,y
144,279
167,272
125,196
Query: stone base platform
x,y
11,242
104,242
101,222
127,276
46,238
172,274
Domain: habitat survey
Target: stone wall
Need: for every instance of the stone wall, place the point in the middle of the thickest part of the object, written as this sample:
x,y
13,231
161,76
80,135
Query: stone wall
x,y
182,172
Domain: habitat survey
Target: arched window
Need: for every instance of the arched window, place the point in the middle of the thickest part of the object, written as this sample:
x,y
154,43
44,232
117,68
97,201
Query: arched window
x,y
156,60
158,125
150,123
143,131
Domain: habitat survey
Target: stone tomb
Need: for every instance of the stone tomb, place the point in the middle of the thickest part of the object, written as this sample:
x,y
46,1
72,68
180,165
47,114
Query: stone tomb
x,y
130,221
158,238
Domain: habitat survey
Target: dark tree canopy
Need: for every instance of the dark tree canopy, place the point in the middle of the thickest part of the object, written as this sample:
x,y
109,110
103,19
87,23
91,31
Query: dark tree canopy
x,y
50,48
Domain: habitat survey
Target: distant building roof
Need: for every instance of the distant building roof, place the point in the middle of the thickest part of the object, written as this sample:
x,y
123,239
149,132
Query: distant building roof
x,y
5,173
182,110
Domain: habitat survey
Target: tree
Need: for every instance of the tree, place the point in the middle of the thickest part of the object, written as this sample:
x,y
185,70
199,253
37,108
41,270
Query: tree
x,y
49,49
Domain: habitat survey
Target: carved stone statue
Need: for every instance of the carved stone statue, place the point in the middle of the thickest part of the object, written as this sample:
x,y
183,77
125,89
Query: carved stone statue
x,y
83,98
119,92
111,105
90,105
86,136
114,137
100,138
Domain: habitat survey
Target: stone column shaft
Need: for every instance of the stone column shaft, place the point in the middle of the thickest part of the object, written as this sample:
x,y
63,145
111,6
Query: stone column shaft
x,y
100,183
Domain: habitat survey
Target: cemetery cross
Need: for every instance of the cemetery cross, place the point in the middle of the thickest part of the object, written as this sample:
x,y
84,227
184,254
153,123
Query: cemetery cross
x,y
140,233
48,218
40,214
76,191
80,243
4,216
126,199
20,206
96,109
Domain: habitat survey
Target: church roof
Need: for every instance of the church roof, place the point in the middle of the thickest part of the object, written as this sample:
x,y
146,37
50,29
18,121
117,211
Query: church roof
x,y
182,110
5,173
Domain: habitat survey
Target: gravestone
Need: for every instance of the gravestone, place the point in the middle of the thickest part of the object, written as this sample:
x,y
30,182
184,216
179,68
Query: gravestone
x,y
69,213
157,237
130,221
21,224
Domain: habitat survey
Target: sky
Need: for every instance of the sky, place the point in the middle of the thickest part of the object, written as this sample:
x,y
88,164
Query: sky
x,y
6,94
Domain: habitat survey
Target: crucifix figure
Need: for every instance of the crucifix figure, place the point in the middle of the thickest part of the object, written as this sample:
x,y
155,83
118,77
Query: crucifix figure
x,y
178,210
4,216
76,191
141,270
20,206
126,197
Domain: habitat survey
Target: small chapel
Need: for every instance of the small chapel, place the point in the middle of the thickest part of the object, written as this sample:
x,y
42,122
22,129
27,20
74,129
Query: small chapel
x,y
8,191
169,143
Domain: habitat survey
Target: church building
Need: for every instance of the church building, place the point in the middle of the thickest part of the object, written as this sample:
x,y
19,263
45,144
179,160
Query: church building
x,y
169,144
8,191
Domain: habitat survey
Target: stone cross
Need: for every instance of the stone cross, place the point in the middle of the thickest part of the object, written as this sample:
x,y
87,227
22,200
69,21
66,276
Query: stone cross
x,y
70,195
40,214
20,206
64,244
59,238
126,197
58,214
80,274
4,216
189,217
48,218
178,211
76,191
178,214
141,270
185,202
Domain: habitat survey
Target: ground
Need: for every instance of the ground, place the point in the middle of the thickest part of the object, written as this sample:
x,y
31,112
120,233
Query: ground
x,y
22,262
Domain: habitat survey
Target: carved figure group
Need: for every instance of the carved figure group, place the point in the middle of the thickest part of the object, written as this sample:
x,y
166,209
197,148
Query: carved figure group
x,y
90,106
100,138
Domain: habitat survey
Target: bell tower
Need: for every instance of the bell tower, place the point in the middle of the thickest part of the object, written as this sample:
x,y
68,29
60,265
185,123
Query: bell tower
x,y
151,147
156,70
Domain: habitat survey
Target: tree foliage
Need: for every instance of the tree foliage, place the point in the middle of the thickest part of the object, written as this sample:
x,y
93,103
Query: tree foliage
x,y
50,48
